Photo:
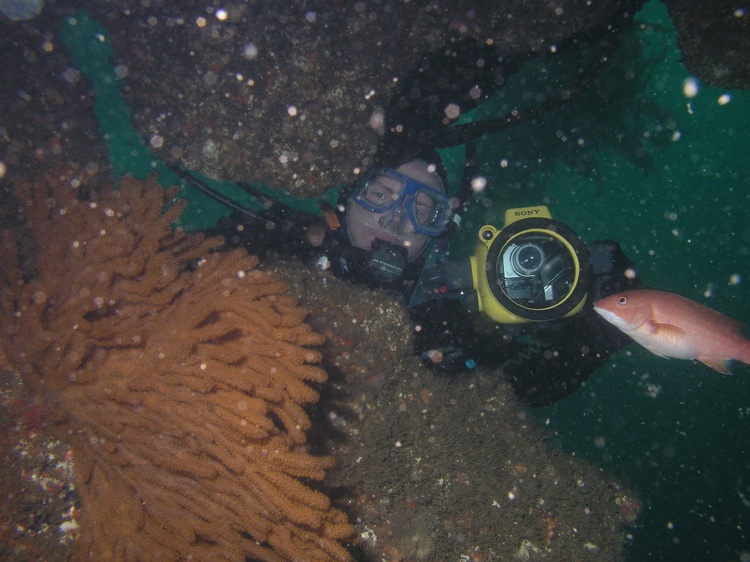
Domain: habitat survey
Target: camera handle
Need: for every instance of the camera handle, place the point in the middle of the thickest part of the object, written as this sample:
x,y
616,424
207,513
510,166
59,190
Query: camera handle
x,y
447,280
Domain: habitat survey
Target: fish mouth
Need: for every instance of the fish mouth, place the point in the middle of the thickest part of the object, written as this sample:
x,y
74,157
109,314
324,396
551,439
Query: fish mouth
x,y
613,319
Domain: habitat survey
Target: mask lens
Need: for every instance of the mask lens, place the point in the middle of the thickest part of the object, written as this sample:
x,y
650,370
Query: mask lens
x,y
431,211
381,192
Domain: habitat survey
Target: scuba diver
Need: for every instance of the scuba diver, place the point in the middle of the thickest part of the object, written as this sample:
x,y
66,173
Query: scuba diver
x,y
521,302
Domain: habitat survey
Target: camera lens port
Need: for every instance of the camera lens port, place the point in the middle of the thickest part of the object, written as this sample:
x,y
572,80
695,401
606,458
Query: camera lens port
x,y
527,259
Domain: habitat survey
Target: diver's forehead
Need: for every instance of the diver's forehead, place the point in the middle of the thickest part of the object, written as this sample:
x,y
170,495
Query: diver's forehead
x,y
422,172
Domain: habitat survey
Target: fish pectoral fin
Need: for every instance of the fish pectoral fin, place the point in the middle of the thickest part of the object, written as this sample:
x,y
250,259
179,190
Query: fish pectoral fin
x,y
652,350
719,365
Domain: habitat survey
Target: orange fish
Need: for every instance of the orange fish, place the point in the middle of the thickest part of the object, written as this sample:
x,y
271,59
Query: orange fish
x,y
672,326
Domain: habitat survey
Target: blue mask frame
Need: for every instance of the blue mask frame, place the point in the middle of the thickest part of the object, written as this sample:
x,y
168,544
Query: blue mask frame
x,y
383,189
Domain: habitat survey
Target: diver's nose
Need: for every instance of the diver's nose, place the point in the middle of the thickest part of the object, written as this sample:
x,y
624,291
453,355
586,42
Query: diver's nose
x,y
391,221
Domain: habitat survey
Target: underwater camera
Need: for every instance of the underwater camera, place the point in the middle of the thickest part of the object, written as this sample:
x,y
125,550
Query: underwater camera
x,y
534,269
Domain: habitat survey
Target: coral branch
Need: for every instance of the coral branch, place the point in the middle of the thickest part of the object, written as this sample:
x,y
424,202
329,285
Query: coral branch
x,y
178,373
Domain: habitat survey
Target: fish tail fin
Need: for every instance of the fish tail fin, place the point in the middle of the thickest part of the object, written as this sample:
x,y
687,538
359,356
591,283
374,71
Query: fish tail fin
x,y
744,352
739,351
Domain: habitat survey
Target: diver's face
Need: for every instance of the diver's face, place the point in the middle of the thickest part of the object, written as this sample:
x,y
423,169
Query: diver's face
x,y
387,226
394,224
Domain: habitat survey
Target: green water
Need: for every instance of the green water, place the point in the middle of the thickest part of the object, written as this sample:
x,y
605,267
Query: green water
x,y
676,431
667,176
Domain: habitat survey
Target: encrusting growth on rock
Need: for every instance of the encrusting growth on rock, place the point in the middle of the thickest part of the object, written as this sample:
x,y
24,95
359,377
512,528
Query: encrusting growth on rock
x,y
177,373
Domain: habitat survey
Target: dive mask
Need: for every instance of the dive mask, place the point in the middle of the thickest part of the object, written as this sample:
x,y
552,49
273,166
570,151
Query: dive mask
x,y
382,190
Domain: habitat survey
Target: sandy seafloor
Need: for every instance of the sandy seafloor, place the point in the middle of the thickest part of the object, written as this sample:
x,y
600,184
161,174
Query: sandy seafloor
x,y
648,462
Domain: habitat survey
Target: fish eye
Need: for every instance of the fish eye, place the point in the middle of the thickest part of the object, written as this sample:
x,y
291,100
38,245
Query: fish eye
x,y
622,300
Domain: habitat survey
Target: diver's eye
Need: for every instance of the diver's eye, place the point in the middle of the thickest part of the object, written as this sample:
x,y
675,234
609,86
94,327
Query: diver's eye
x,y
424,212
622,301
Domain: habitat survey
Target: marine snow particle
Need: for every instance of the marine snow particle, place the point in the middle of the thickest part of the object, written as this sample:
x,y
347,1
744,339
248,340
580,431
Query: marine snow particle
x,y
452,111
250,51
478,184
436,356
377,120
690,88
71,75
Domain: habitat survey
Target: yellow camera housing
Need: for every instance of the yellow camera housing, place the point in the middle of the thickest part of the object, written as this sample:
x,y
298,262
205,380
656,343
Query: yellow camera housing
x,y
535,269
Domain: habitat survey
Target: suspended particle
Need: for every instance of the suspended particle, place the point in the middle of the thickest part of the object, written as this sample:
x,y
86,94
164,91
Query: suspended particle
x,y
250,51
478,184
690,88
452,111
